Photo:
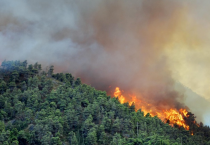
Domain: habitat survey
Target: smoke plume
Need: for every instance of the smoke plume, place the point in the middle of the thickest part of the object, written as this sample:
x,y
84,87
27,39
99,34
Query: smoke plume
x,y
142,46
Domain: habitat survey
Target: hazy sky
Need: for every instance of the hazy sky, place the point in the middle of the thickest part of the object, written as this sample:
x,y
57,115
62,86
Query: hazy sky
x,y
142,46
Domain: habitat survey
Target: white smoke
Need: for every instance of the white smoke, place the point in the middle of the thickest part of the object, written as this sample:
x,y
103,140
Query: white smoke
x,y
119,43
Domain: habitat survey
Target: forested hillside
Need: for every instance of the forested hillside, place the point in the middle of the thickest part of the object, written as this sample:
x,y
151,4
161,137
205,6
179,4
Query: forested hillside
x,y
39,107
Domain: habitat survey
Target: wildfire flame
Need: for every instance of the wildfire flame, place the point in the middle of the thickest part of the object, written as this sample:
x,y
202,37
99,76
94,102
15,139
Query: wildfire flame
x,y
172,116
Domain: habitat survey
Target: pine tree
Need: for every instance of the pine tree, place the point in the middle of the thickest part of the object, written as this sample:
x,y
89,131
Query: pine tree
x,y
50,71
91,137
74,140
78,82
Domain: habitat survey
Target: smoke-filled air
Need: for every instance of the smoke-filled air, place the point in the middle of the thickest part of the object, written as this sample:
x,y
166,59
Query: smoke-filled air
x,y
154,52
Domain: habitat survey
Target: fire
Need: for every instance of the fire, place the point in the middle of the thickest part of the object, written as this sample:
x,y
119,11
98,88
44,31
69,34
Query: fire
x,y
172,116
176,117
117,93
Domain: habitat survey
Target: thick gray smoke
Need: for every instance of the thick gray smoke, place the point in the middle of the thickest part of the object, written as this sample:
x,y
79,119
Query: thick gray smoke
x,y
104,42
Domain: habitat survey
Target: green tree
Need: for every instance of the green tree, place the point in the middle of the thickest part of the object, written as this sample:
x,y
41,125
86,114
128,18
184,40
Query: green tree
x,y
91,137
47,139
13,134
103,138
72,138
15,75
12,84
56,141
70,78
2,102
71,119
117,140
15,142
87,125
30,67
6,143
2,126
107,123
116,126
50,71
78,82
39,67
25,63
3,87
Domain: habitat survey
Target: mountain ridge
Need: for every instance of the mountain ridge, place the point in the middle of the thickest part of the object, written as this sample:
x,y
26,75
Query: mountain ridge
x,y
39,107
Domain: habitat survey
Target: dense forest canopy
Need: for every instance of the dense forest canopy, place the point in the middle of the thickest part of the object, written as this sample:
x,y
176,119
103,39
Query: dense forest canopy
x,y
40,107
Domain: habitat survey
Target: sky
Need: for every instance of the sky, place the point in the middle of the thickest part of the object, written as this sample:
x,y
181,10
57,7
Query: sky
x,y
156,49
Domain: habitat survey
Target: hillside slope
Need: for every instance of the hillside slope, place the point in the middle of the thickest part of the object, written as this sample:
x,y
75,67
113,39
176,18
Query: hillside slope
x,y
45,108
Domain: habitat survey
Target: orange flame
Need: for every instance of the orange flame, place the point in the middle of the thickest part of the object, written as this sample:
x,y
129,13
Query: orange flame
x,y
117,93
173,116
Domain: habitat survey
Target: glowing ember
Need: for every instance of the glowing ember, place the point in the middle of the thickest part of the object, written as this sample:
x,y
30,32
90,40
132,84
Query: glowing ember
x,y
172,116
